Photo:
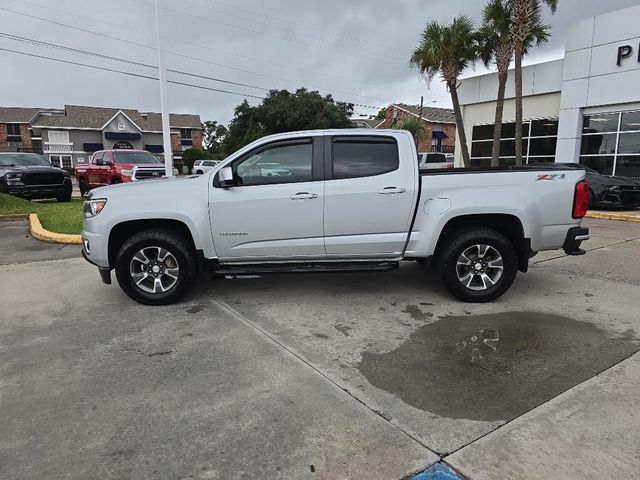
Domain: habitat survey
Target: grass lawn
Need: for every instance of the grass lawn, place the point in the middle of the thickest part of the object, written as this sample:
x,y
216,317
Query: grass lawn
x,y
60,217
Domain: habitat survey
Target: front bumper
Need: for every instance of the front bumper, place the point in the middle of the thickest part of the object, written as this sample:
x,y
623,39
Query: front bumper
x,y
626,198
38,191
105,273
575,237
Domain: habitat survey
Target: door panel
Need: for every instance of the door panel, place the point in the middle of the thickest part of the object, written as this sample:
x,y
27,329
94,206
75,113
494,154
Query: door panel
x,y
275,210
367,214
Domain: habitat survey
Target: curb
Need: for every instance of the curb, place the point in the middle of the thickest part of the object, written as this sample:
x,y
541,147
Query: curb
x,y
37,231
614,216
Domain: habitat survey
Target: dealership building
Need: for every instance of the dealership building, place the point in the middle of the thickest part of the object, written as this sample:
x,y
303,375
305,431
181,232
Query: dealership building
x,y
583,108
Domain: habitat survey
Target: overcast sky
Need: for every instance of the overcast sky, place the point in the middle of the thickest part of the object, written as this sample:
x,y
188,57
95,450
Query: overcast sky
x,y
357,50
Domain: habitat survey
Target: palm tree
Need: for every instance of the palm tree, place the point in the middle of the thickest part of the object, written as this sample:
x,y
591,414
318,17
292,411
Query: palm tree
x,y
495,44
523,16
448,50
414,126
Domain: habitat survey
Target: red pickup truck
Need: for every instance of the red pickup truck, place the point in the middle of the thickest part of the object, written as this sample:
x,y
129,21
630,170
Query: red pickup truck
x,y
107,167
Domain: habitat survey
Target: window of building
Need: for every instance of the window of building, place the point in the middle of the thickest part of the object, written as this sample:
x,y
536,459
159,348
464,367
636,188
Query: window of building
x,y
61,161
58,136
13,129
185,133
539,140
365,157
611,143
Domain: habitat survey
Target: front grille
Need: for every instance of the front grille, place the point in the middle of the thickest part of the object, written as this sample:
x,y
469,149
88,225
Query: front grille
x,y
148,173
44,178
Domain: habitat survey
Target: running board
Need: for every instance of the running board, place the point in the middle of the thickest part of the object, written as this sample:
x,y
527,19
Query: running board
x,y
307,267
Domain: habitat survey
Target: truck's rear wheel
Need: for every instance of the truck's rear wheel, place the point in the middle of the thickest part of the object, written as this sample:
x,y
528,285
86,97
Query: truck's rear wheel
x,y
478,265
156,267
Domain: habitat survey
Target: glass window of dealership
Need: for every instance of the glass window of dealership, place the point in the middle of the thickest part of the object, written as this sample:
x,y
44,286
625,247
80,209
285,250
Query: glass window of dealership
x,y
582,108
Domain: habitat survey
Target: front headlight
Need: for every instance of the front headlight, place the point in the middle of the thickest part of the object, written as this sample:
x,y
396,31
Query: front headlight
x,y
93,207
13,177
175,171
127,173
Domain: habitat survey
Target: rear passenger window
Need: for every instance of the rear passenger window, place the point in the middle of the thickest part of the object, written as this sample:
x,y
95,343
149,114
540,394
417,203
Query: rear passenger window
x,y
364,156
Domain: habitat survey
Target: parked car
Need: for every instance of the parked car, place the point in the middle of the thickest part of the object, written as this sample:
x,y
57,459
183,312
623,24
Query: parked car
x,y
29,175
606,191
612,192
478,228
108,167
433,160
202,166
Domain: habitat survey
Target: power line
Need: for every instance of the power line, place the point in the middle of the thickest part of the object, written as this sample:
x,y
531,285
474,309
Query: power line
x,y
32,41
131,74
291,22
132,62
190,57
276,37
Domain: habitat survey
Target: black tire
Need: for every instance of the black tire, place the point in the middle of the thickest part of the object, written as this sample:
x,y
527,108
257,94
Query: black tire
x,y
199,172
177,246
82,185
115,181
464,239
66,197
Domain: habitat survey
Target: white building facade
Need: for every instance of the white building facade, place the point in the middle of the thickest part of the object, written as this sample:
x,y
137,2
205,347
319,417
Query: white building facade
x,y
583,108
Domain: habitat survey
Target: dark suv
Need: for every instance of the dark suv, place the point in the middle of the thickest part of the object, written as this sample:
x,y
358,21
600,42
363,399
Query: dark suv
x,y
29,175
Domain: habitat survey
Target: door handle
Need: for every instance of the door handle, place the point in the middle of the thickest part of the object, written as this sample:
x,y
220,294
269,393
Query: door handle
x,y
391,191
303,196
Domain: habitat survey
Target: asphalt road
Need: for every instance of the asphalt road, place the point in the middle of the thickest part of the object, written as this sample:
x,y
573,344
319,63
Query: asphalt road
x,y
321,376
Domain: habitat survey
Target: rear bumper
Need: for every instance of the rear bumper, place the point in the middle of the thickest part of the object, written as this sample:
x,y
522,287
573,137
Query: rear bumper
x,y
575,237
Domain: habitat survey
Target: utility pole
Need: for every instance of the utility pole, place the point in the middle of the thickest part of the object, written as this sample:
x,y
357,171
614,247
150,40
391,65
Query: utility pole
x,y
164,104
421,105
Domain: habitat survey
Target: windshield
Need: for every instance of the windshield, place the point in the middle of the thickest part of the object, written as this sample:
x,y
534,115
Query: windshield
x,y
23,160
135,157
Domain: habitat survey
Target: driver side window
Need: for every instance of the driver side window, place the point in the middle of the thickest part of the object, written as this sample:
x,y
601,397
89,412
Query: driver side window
x,y
96,157
289,163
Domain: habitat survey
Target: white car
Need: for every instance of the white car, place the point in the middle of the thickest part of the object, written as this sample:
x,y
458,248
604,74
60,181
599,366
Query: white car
x,y
202,166
433,160
352,200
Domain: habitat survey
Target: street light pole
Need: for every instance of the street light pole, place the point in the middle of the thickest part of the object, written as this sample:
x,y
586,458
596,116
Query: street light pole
x,y
162,68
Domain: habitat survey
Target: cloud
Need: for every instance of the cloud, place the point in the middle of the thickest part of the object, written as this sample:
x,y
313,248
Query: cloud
x,y
356,50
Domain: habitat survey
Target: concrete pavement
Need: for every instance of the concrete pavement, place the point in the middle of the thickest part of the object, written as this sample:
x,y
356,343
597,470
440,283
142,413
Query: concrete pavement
x,y
351,373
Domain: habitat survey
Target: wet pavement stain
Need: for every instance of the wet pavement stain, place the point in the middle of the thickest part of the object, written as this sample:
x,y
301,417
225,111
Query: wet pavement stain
x,y
416,313
494,367
195,308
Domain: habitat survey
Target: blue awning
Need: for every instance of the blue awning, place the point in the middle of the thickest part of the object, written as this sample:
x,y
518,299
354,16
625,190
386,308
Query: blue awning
x,y
440,135
122,136
186,141
154,148
92,147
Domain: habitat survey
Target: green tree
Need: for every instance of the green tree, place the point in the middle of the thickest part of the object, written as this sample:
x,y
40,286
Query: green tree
x,y
447,50
414,126
284,111
524,14
190,155
214,136
495,44
382,114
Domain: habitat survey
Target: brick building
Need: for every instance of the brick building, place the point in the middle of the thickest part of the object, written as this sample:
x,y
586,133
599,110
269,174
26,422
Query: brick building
x,y
67,137
439,133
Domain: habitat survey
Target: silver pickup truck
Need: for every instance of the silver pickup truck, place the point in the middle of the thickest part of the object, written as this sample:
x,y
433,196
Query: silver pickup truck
x,y
334,200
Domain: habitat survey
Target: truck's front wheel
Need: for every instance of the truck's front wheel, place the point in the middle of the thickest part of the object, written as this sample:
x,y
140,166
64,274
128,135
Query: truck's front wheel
x,y
478,265
156,267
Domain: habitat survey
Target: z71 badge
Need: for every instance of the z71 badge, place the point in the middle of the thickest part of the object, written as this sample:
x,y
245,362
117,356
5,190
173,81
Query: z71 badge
x,y
551,176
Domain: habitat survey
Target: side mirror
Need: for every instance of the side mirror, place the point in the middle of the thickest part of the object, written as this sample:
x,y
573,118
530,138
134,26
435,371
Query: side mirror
x,y
225,177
